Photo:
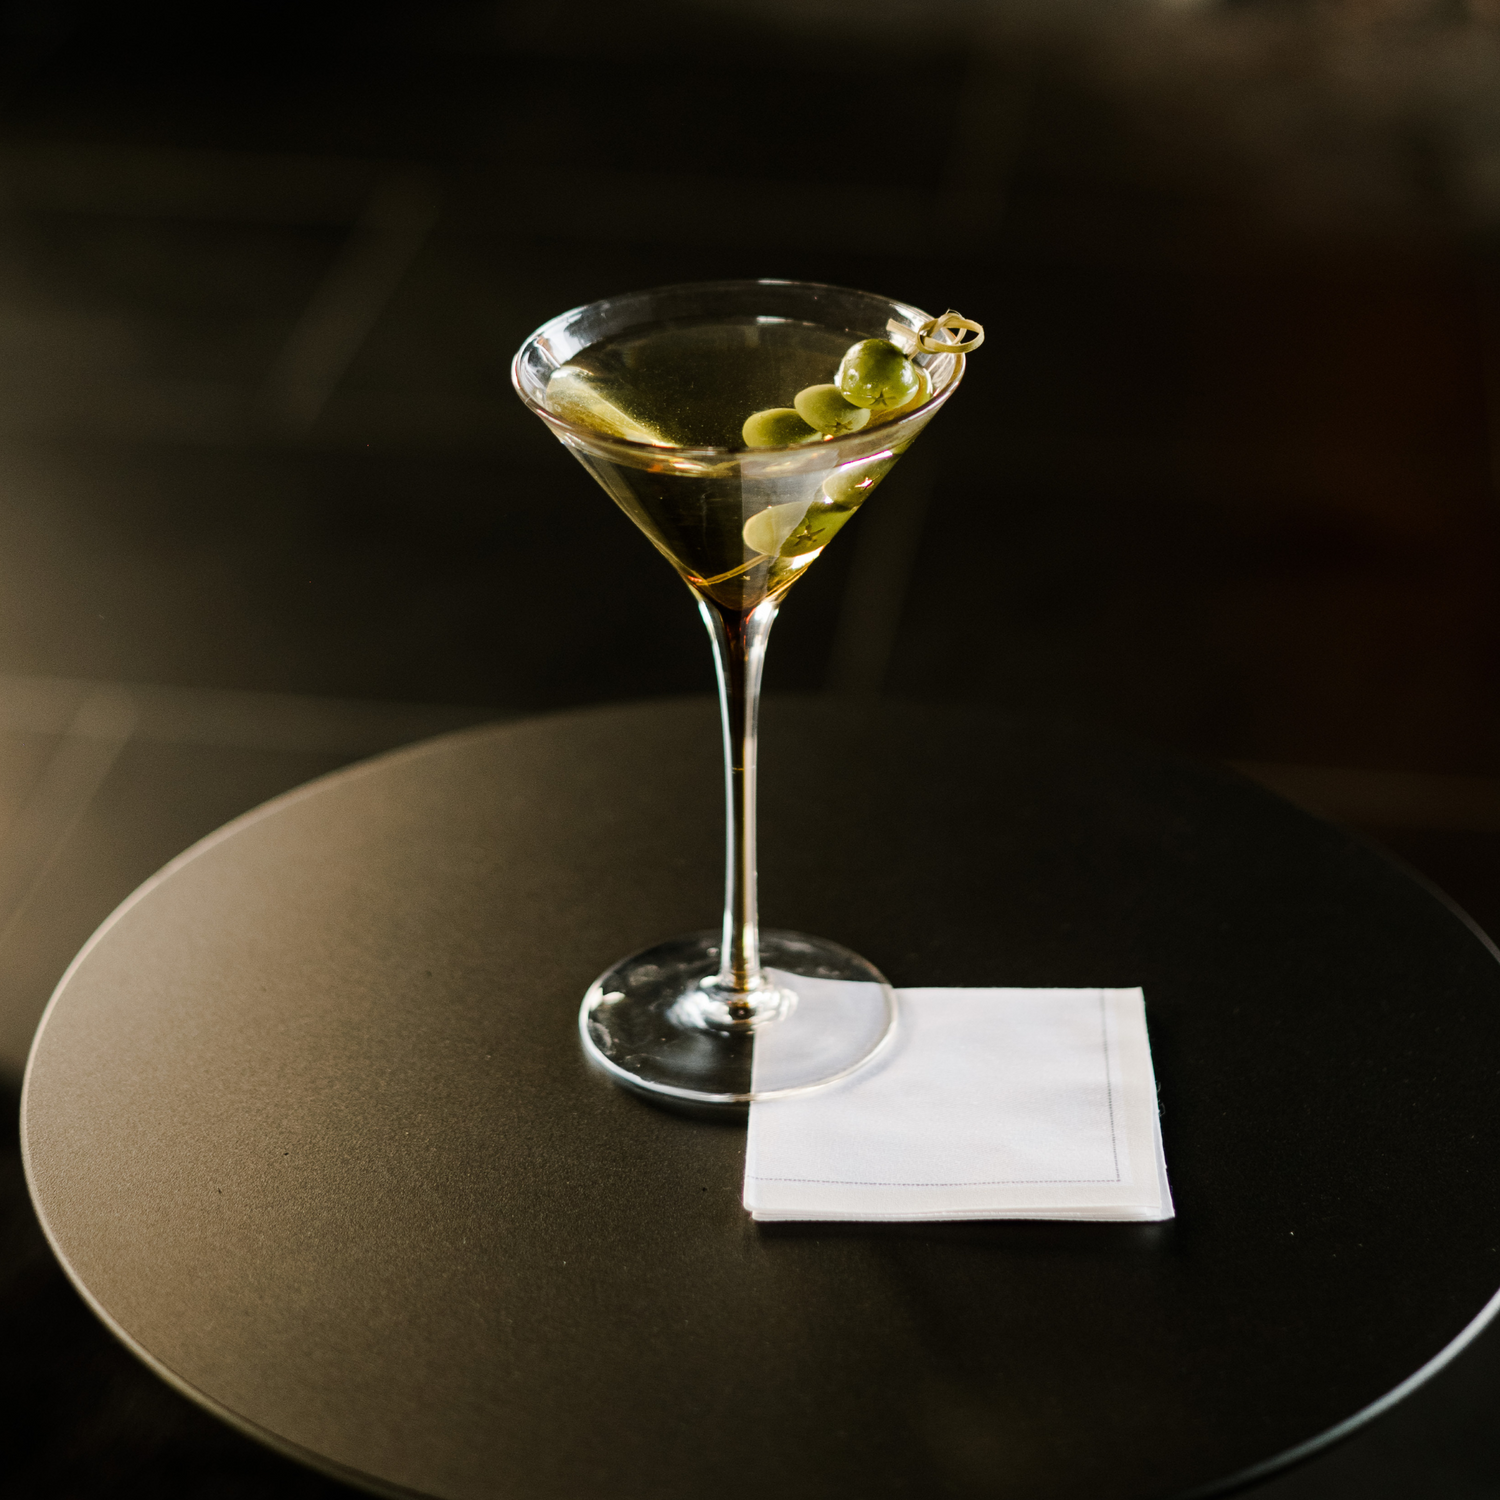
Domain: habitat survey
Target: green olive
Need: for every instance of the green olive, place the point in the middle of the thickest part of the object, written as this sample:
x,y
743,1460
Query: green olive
x,y
767,529
777,428
796,528
816,529
876,374
850,483
922,392
826,409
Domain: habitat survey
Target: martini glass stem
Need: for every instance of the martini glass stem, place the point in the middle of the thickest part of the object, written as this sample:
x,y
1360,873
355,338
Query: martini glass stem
x,y
739,640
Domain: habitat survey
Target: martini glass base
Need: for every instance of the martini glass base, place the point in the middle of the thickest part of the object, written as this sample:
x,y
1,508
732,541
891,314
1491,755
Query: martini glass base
x,y
657,1021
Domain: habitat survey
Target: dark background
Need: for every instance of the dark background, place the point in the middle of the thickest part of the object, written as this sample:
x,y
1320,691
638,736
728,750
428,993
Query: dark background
x,y
1223,477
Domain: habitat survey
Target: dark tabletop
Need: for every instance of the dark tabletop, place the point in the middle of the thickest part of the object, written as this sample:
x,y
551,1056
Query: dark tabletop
x,y
310,1127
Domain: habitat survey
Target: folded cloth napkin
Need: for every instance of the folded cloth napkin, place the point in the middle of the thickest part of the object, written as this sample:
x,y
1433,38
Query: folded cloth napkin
x,y
985,1104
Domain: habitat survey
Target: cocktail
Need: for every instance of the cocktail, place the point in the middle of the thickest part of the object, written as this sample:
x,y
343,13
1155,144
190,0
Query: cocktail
x,y
740,425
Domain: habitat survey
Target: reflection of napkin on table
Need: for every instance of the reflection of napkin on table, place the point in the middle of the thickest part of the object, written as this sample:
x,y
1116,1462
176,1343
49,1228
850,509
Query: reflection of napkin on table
x,y
987,1104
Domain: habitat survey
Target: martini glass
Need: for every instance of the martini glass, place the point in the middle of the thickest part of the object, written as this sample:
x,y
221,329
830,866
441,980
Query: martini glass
x,y
649,392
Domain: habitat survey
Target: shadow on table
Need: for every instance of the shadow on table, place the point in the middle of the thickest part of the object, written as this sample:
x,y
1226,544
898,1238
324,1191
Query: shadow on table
x,y
1022,1235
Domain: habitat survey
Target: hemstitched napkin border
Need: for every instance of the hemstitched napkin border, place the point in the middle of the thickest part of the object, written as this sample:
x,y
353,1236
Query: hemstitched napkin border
x,y
988,1103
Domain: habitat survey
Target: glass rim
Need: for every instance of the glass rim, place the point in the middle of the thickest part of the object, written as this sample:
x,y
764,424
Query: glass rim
x,y
592,437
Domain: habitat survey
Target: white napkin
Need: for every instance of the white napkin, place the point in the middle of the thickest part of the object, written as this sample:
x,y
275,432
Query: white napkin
x,y
986,1104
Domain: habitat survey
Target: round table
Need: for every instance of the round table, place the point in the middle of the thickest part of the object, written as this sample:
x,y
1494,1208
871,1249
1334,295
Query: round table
x,y
309,1126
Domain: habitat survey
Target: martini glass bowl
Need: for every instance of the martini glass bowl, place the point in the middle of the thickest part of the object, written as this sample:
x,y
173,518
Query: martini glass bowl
x,y
648,391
